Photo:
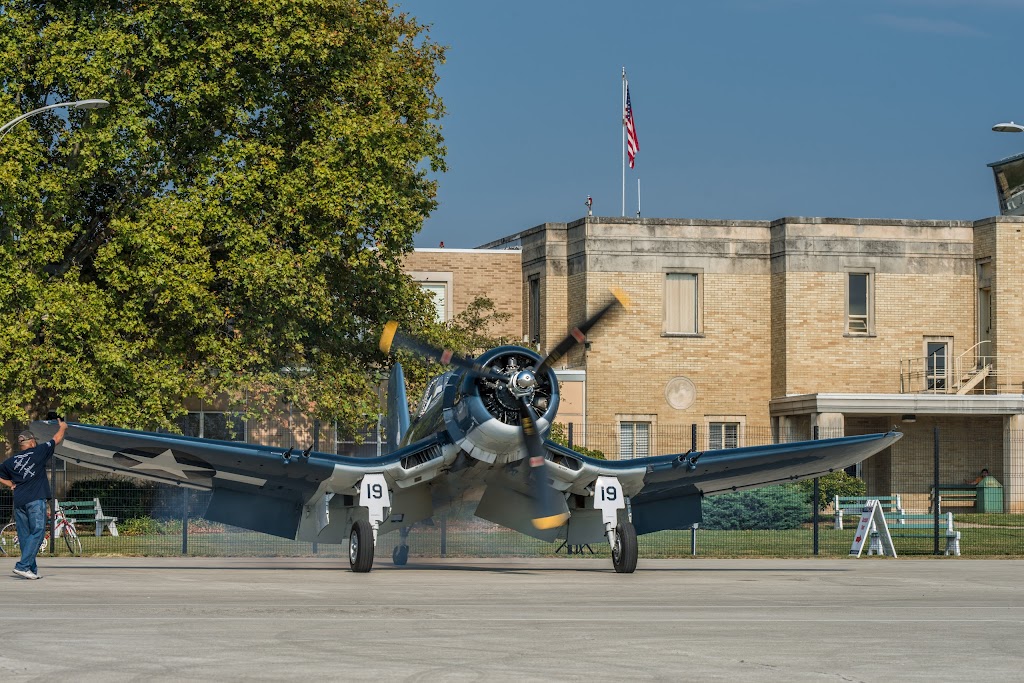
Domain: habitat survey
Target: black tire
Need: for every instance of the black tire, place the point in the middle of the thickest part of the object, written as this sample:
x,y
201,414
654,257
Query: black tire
x,y
360,547
625,552
74,543
400,555
8,539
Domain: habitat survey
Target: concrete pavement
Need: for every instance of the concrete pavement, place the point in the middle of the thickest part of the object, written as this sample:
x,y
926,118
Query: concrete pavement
x,y
121,619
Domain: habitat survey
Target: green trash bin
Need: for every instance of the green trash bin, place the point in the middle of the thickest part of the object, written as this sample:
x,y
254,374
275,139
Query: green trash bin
x,y
990,495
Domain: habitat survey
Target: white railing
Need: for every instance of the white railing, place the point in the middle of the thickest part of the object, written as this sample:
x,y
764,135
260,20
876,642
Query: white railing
x,y
971,372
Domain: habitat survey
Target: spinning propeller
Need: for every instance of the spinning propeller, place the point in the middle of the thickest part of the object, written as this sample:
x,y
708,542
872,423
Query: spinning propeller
x,y
548,506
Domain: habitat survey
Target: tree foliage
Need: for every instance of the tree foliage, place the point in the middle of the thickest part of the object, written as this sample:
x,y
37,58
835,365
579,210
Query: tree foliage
x,y
837,483
232,224
467,334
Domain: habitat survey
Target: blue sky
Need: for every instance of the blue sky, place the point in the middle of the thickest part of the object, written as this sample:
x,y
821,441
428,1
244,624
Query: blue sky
x,y
744,109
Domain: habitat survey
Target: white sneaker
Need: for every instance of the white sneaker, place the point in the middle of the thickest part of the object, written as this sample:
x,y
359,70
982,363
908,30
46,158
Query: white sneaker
x,y
25,574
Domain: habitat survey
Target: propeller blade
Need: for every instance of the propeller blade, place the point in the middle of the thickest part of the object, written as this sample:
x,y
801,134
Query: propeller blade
x,y
549,510
391,338
578,334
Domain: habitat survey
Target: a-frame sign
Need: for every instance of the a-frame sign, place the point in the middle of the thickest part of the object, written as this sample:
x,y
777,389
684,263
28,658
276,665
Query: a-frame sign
x,y
872,525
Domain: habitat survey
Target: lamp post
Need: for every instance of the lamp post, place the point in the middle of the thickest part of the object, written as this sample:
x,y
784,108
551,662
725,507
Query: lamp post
x,y
78,104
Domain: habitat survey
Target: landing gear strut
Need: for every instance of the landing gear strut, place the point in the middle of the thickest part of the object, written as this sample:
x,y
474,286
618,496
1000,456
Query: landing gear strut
x,y
609,499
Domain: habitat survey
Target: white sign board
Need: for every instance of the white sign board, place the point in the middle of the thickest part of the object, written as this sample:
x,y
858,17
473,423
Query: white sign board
x,y
872,525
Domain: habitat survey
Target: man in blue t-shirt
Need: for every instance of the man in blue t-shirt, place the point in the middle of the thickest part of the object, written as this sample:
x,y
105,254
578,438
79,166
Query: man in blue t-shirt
x,y
25,473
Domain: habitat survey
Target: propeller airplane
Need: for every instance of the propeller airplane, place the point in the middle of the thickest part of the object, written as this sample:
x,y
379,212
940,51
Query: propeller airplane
x,y
480,427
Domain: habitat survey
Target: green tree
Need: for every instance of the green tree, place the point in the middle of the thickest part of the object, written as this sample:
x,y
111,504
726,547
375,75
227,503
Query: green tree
x,y
232,224
469,333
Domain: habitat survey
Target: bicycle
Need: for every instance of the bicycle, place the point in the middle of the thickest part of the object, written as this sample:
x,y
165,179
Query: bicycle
x,y
62,528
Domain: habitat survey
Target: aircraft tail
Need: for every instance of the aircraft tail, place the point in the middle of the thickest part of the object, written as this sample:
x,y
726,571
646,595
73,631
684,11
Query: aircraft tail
x,y
398,409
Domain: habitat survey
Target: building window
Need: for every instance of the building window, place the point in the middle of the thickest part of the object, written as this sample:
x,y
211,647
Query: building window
x,y
935,377
440,286
859,303
534,330
723,435
439,293
213,425
682,303
634,440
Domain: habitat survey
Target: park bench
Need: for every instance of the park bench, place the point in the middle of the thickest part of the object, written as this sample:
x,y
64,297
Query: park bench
x,y
89,511
956,495
923,526
852,506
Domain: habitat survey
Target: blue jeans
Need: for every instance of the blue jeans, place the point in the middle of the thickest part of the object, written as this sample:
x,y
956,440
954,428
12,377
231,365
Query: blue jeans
x,y
30,520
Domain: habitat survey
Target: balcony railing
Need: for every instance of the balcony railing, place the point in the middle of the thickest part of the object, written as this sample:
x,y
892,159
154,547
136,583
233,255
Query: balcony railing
x,y
972,372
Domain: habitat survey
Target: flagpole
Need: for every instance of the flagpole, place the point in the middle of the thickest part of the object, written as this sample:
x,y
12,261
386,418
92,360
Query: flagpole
x,y
638,198
623,110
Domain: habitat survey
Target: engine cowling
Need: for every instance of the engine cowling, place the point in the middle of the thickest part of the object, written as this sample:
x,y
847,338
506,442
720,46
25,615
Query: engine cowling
x,y
482,415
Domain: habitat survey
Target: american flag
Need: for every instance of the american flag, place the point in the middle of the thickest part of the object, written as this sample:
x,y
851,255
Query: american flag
x,y
632,143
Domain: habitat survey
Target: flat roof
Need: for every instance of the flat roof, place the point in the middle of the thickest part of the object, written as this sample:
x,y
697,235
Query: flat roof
x,y
898,404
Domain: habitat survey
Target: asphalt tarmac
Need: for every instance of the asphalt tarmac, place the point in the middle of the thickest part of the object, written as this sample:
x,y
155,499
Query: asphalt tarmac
x,y
573,619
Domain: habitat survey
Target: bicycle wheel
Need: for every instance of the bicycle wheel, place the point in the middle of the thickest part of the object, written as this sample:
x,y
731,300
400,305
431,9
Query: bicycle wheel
x,y
74,543
9,539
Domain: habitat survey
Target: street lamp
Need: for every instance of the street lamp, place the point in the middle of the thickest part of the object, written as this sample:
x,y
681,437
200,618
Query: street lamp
x,y
1010,127
78,104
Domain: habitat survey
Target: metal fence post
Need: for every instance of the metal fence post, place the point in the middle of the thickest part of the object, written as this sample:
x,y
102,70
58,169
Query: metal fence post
x,y
316,447
693,539
444,535
184,521
693,436
935,484
570,435
816,501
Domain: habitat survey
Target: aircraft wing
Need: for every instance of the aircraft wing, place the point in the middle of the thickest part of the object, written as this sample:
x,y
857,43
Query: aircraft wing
x,y
665,490
262,488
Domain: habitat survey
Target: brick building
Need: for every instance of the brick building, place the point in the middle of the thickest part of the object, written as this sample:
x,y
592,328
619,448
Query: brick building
x,y
746,327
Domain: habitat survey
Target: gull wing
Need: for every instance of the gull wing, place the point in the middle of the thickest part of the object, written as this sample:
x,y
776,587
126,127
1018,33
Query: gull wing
x,y
256,487
665,491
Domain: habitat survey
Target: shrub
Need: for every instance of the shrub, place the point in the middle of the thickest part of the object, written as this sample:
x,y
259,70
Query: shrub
x,y
837,483
139,526
773,507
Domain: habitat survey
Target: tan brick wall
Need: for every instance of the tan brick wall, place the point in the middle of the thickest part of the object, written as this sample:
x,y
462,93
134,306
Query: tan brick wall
x,y
821,358
496,274
1008,305
630,362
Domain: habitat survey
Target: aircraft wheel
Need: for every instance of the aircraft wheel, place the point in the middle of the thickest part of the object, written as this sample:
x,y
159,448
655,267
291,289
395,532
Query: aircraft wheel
x,y
400,555
625,552
360,547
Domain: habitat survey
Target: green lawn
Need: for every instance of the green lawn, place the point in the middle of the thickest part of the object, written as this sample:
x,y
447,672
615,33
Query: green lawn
x,y
991,541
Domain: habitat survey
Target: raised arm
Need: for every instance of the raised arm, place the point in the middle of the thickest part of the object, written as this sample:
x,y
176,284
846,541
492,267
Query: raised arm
x,y
59,436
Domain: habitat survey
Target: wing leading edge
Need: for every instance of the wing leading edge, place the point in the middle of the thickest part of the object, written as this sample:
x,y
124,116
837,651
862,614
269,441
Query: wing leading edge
x,y
256,487
666,490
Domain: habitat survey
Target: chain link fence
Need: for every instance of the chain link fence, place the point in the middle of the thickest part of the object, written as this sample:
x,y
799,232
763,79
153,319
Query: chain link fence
x,y
927,474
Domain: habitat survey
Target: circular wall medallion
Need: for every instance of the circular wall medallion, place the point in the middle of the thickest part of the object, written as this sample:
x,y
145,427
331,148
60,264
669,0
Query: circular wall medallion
x,y
680,393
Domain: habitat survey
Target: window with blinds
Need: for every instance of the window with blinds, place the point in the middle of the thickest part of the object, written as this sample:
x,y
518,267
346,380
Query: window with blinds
x,y
439,292
723,435
859,303
634,440
682,312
